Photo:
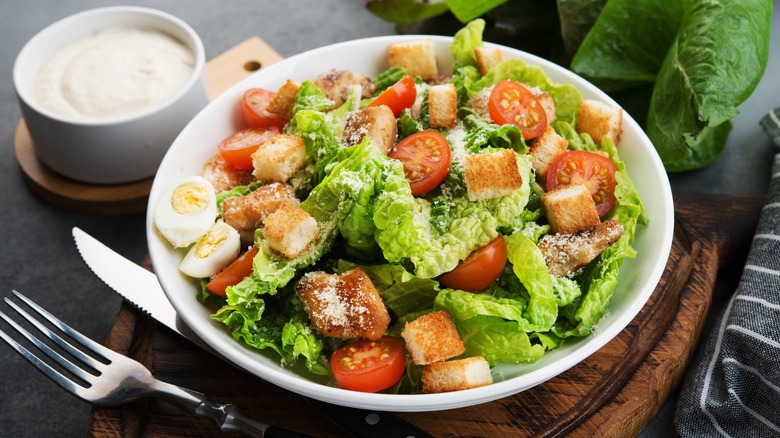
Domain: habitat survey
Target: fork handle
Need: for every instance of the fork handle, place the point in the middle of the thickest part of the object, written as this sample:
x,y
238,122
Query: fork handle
x,y
228,417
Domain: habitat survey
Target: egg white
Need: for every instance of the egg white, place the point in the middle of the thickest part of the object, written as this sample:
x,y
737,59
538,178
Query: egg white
x,y
186,211
216,249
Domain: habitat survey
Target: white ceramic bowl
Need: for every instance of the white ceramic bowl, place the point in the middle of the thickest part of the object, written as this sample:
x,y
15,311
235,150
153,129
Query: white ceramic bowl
x,y
117,150
638,277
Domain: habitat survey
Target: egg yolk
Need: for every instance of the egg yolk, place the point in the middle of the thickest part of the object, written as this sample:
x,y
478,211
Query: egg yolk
x,y
189,198
211,241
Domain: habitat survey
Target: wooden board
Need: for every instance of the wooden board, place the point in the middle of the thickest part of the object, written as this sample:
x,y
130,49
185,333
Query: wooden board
x,y
117,199
615,392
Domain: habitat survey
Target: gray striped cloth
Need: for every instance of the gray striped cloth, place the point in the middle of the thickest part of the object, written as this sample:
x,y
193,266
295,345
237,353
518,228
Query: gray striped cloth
x,y
732,387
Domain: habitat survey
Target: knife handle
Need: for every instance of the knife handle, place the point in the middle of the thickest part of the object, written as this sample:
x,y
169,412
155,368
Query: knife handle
x,y
228,417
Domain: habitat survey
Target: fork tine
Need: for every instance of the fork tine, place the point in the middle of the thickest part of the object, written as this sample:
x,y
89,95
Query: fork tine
x,y
42,366
91,345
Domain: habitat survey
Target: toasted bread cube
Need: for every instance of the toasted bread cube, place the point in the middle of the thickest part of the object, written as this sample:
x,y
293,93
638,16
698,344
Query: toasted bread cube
x,y
290,230
247,213
600,119
456,375
443,106
566,253
376,122
279,158
418,58
570,209
344,306
492,175
432,338
284,99
544,150
487,58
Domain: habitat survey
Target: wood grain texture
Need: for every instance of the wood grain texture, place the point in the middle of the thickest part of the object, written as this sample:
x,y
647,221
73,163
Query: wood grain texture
x,y
614,392
119,199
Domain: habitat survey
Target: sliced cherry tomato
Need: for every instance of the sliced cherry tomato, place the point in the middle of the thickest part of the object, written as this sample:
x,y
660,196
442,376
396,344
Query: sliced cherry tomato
x,y
237,148
369,366
512,103
253,107
594,170
479,269
235,272
399,96
426,157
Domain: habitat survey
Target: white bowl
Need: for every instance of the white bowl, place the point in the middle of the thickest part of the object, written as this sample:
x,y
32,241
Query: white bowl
x,y
197,142
115,150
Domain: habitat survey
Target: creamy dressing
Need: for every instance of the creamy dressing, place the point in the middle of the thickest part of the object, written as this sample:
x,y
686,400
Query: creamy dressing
x,y
113,73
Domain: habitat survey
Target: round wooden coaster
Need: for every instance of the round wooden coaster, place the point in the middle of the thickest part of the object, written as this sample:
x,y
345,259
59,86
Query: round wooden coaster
x,y
68,194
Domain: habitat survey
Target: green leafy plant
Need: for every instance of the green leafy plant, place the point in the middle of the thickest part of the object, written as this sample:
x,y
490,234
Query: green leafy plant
x,y
679,67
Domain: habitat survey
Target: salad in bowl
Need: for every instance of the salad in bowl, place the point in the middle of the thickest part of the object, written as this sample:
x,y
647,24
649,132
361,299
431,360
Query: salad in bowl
x,y
410,223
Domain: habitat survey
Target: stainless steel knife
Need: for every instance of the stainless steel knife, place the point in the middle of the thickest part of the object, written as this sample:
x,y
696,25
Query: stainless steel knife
x,y
140,288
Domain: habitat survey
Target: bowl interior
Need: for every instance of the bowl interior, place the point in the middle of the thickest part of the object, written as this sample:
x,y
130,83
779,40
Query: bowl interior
x,y
198,141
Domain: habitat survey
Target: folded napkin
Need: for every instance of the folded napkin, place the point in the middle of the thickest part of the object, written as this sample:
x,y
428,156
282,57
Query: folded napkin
x,y
733,385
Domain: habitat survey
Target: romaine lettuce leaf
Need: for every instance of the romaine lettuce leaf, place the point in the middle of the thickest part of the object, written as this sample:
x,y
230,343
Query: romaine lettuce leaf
x,y
464,42
529,266
498,340
704,57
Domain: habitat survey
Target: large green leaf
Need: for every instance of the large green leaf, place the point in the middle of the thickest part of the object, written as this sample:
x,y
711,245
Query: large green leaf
x,y
704,57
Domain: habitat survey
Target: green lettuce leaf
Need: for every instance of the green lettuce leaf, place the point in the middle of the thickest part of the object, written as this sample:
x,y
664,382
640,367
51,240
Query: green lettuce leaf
x,y
530,268
704,57
464,42
498,340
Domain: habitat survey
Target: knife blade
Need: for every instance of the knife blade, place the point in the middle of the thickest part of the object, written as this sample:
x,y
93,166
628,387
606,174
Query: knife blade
x,y
141,288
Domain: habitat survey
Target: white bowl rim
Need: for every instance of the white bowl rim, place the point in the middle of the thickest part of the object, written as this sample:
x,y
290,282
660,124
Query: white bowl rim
x,y
442,401
198,51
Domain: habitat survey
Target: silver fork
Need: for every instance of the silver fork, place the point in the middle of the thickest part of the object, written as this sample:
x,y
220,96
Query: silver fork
x,y
117,379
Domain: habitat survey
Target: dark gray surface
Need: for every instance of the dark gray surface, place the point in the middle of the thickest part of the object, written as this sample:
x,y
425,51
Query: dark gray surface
x,y
37,255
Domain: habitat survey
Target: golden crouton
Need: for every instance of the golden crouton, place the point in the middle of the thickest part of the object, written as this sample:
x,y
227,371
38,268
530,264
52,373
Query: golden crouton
x,y
570,209
344,306
566,253
223,176
443,106
418,58
599,119
491,175
376,122
456,375
247,213
544,150
290,230
337,84
487,58
279,158
284,99
432,338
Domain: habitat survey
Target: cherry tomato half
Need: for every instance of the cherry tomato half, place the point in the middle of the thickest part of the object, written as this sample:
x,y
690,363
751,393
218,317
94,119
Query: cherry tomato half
x,y
253,107
235,272
512,103
369,366
237,148
479,269
594,170
426,157
399,96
